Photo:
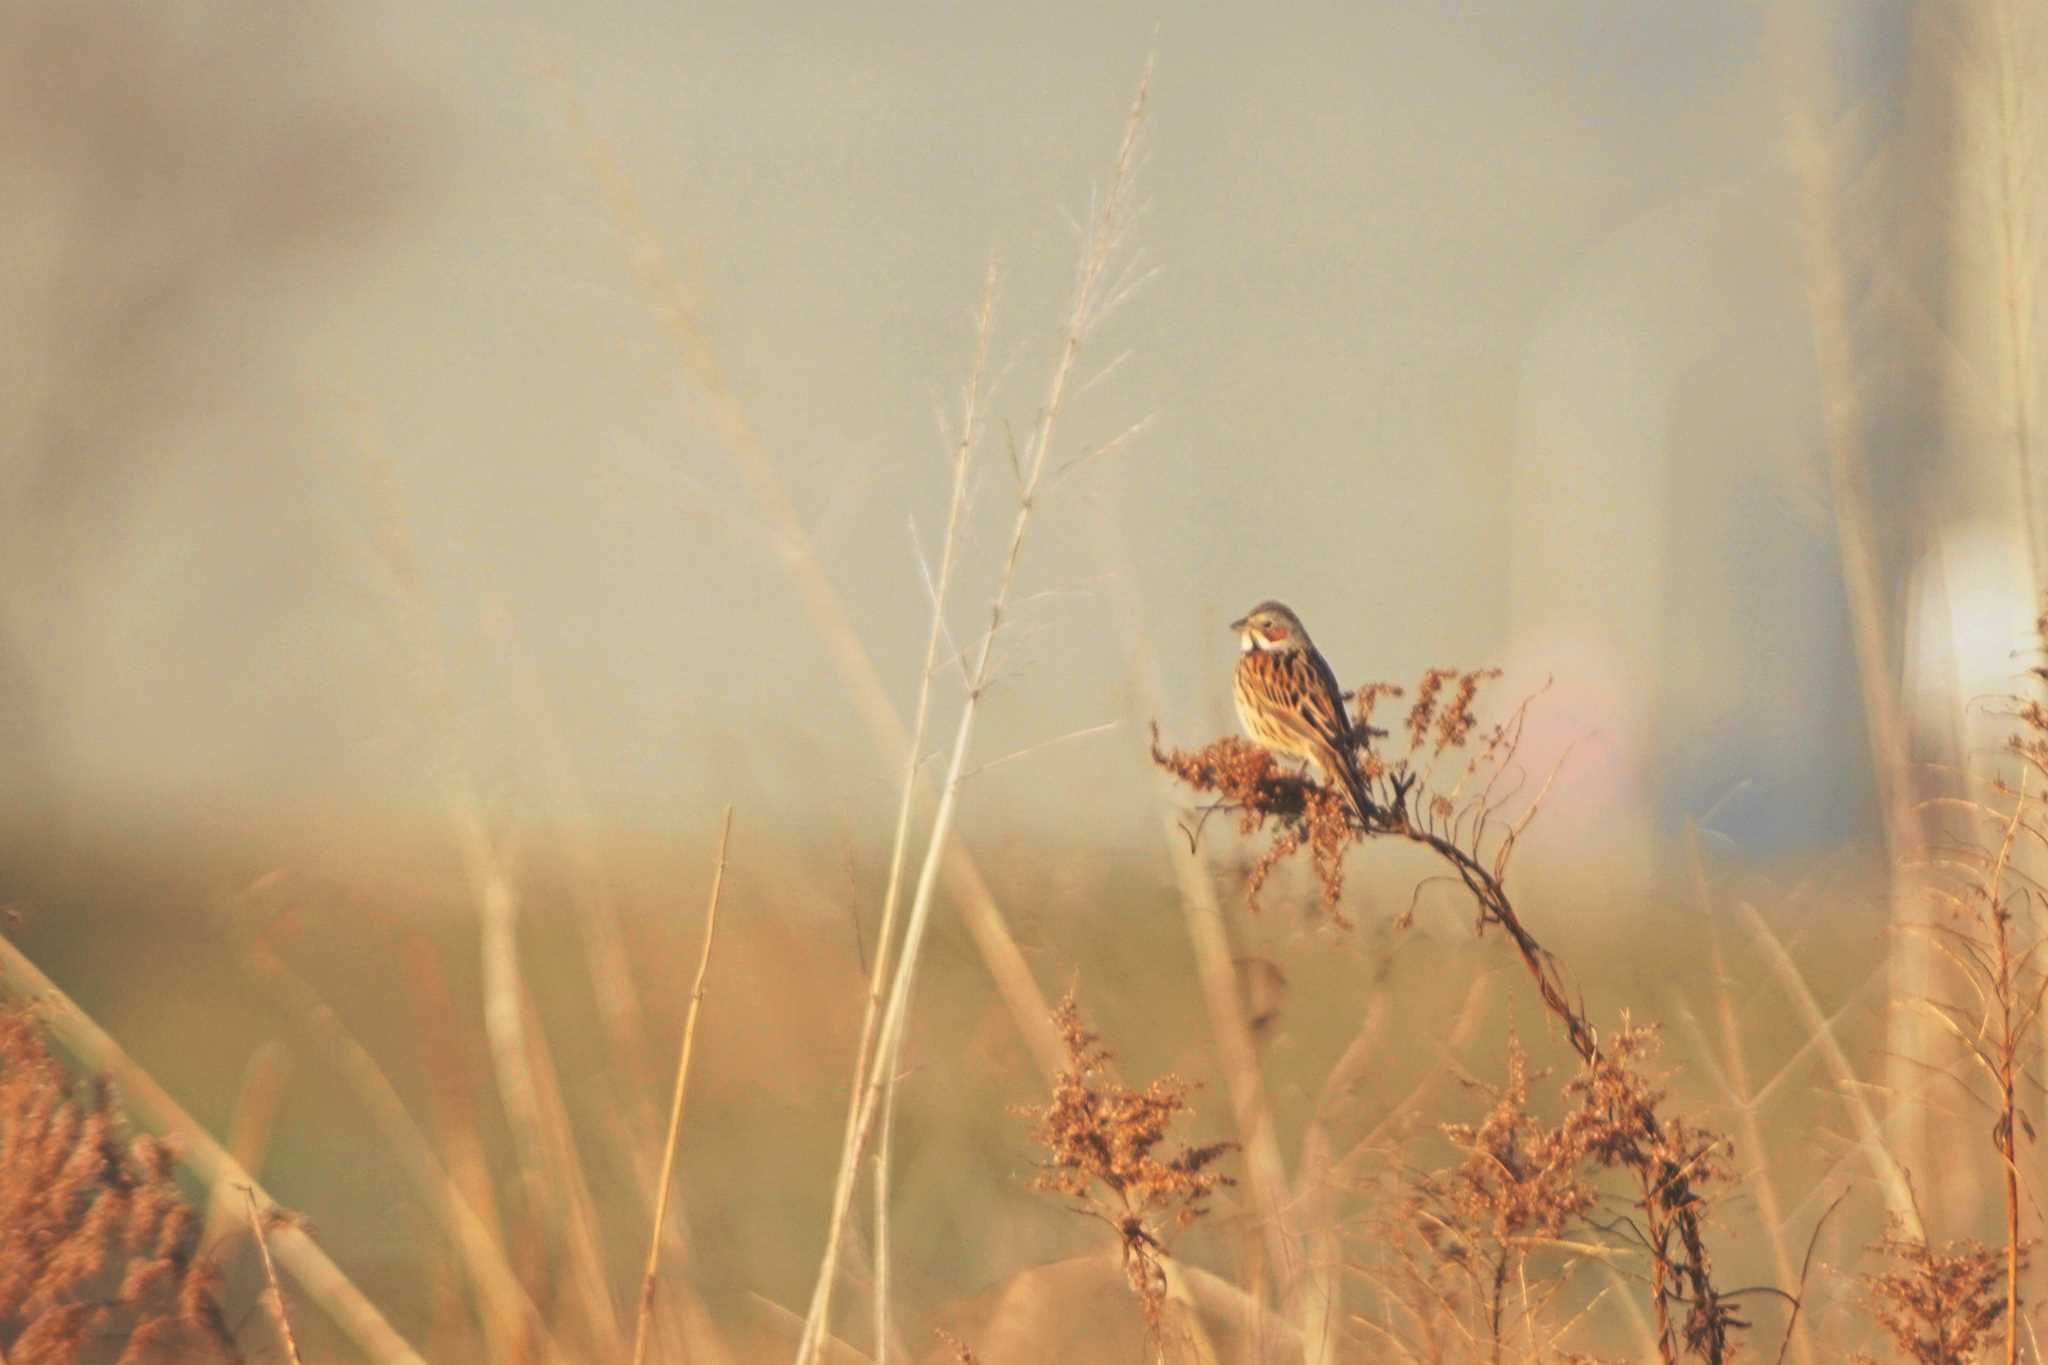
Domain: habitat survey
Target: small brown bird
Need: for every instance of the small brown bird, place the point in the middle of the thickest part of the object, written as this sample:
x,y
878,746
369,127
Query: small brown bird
x,y
1288,699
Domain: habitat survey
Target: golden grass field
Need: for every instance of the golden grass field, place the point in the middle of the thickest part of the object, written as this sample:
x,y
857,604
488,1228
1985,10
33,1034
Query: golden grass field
x,y
278,1008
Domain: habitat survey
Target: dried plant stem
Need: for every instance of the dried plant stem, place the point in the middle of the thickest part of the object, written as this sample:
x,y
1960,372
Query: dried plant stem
x,y
1742,1098
1265,1171
1891,1175
865,1059
249,1129
884,1142
1668,1201
2006,1069
596,910
899,849
1829,293
491,882
1091,298
645,1318
2016,249
284,1322
507,1311
319,1276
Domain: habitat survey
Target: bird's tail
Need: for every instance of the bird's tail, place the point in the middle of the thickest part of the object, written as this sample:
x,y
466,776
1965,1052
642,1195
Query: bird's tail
x,y
1344,772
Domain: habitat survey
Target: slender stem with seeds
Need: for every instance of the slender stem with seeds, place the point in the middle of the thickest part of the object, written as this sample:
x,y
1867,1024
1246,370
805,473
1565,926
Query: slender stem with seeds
x,y
1090,302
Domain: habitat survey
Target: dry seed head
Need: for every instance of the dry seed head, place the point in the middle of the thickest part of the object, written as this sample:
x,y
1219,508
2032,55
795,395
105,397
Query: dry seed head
x,y
1101,1137
100,1241
1937,1304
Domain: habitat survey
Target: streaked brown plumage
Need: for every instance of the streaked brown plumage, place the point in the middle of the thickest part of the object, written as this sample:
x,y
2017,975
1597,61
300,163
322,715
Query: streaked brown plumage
x,y
1288,699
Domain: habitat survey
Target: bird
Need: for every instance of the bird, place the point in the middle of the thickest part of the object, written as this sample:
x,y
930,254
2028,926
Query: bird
x,y
1288,699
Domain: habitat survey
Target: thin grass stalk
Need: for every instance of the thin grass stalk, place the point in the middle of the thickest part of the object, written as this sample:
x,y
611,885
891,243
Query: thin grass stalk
x,y
1891,1175
491,883
582,1236
1743,1098
606,956
322,1280
645,1317
504,1305
2007,1066
249,1129
1100,247
273,1289
677,308
451,1089
884,1141
963,459
2016,248
1856,535
1264,1168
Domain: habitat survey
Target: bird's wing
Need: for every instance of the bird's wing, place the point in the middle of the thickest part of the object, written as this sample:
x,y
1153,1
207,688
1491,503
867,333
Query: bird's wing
x,y
1292,694
1332,706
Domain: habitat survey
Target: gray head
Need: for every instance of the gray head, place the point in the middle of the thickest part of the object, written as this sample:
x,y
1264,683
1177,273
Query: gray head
x,y
1270,626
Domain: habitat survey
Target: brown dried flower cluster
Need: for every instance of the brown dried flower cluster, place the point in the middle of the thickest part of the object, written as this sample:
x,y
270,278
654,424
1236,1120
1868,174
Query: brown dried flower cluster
x,y
1675,1164
97,1244
1311,817
1520,1178
1253,784
1465,1231
1101,1136
1524,1184
1937,1304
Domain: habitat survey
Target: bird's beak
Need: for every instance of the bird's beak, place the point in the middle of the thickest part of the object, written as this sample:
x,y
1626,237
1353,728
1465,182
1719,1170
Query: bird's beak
x,y
1238,624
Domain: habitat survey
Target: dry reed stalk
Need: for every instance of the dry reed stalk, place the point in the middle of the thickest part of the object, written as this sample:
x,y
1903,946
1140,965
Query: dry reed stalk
x,y
595,909
1251,1110
677,307
1310,1295
451,1090
899,848
1890,1172
509,1315
1096,293
491,883
2016,248
582,1235
2007,981
1464,1028
276,1292
322,1280
1734,1075
675,1108
550,1172
884,1145
1806,67
249,1129
1315,1193
866,1061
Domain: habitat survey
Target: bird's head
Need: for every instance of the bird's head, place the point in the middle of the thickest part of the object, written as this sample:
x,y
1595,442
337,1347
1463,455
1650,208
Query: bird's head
x,y
1270,626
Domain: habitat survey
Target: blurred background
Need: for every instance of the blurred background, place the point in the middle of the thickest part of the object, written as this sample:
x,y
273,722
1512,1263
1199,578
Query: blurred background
x,y
1478,338
353,478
